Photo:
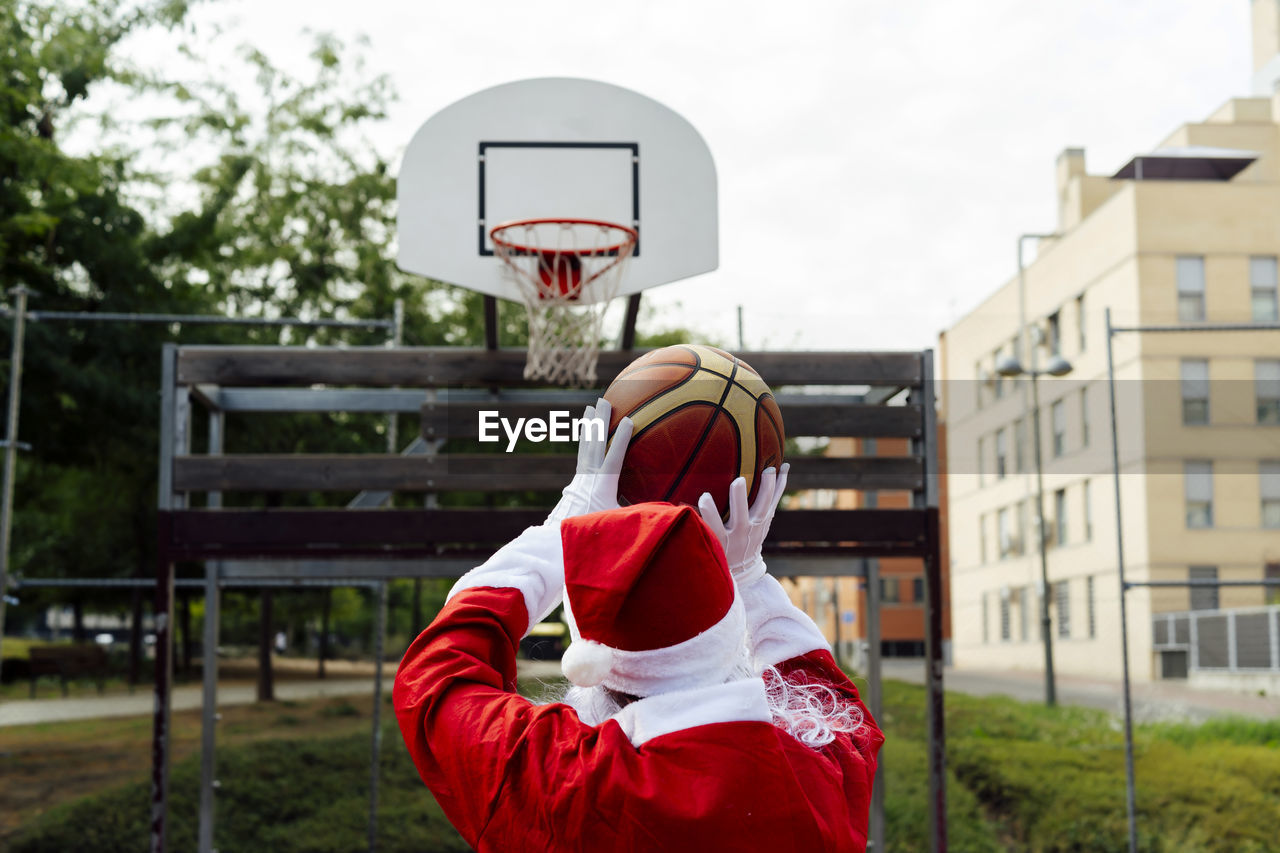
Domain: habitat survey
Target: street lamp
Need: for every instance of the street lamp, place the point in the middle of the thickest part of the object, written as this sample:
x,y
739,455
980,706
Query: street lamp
x,y
1057,366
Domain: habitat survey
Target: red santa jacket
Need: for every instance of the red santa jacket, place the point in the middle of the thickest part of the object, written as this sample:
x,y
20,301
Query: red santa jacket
x,y
699,770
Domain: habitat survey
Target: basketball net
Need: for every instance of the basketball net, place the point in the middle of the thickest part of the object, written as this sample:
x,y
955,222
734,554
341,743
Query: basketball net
x,y
567,272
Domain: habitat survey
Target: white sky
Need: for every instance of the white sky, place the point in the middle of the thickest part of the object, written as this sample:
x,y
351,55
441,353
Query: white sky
x,y
877,160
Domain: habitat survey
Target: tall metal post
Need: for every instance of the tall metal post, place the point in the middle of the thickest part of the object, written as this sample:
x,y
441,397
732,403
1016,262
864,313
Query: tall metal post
x,y
1029,352
380,629
20,294
1050,692
209,665
1129,780
926,446
173,433
871,570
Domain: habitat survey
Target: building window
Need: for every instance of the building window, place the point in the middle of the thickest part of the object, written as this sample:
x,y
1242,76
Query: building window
x,y
1262,283
1088,512
1060,517
1005,632
1198,480
870,500
982,460
1269,487
1062,601
1195,391
1003,534
1091,606
1024,613
1266,384
1203,597
1002,454
1272,573
980,379
917,590
1021,531
1058,418
986,620
1190,273
889,591
1084,416
982,539
1019,446
869,447
1053,334
1080,323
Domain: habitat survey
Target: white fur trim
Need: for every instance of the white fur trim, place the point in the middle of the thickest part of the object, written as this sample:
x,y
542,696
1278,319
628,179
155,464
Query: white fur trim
x,y
533,563
777,629
664,713
586,663
707,658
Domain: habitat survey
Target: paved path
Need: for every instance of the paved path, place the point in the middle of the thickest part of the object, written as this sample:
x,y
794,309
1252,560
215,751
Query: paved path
x,y
1152,701
1162,700
21,712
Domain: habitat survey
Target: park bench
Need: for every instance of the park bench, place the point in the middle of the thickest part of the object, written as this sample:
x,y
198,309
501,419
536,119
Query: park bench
x,y
67,662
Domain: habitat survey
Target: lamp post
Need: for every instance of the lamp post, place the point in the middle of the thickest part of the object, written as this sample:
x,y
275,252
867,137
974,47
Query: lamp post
x,y
1058,366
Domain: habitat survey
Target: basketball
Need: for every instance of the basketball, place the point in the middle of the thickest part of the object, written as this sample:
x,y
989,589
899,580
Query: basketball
x,y
702,419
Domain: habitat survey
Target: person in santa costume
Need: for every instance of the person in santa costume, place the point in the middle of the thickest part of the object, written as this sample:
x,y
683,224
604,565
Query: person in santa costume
x,y
706,712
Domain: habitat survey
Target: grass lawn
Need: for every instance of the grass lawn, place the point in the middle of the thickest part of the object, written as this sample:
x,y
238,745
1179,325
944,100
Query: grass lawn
x,y
1022,777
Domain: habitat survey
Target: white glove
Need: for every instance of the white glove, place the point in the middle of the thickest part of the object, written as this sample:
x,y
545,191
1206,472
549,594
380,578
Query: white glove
x,y
595,485
533,563
743,537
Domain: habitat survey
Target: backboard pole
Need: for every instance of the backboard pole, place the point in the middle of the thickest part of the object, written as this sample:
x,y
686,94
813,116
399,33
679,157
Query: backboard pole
x,y
628,341
490,322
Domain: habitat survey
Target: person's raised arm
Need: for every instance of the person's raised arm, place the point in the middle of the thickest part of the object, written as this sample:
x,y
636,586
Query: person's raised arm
x,y
779,631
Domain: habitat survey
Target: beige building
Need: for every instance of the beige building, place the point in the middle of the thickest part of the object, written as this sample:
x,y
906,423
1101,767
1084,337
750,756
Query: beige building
x,y
1188,235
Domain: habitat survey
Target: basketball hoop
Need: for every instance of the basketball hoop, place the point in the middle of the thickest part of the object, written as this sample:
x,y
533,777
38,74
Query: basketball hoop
x,y
567,271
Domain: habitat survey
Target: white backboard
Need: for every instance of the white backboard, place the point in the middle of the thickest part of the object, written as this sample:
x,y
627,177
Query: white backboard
x,y
556,147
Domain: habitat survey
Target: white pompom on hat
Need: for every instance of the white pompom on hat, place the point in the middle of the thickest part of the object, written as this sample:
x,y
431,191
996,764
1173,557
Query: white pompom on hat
x,y
649,600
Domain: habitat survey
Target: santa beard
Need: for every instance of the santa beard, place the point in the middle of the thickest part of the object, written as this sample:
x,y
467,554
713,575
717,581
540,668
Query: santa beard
x,y
812,713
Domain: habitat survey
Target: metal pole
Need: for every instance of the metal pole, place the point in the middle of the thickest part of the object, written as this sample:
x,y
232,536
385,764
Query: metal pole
x,y
835,605
872,573
209,666
380,620
933,660
169,442
741,340
1029,352
376,748
1130,782
935,716
11,440
1050,694
395,340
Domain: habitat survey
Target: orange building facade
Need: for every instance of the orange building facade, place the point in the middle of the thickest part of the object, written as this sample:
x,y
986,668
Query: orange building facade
x,y
839,605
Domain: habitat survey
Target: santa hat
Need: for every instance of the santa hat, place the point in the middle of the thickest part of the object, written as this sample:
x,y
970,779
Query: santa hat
x,y
649,600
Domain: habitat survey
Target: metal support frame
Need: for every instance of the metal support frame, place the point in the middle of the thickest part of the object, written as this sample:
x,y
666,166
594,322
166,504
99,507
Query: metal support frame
x,y
1125,585
11,442
275,546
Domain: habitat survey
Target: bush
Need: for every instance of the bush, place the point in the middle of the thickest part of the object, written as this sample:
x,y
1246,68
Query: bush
x,y
283,796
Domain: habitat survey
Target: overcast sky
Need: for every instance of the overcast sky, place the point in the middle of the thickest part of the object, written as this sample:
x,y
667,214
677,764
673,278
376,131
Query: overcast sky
x,y
877,160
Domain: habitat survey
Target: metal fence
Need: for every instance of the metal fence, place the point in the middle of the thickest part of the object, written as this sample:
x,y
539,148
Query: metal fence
x,y
1242,640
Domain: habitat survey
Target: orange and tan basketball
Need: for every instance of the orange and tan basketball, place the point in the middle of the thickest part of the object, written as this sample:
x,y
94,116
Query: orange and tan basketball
x,y
702,418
